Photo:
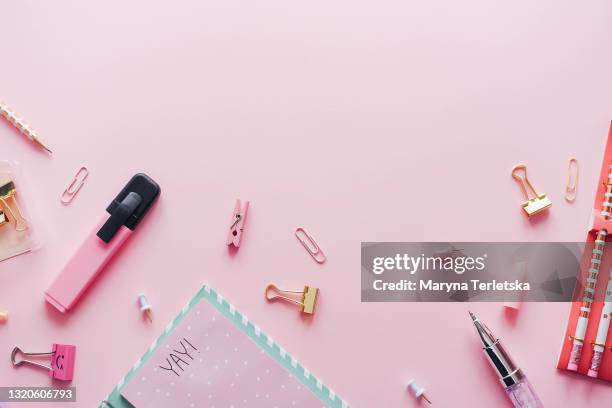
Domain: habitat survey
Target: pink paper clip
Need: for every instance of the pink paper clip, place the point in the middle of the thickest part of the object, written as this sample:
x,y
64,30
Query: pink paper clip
x,y
62,361
311,246
237,223
75,185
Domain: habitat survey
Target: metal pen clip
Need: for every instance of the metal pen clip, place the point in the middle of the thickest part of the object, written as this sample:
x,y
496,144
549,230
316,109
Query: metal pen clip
x,y
311,246
75,185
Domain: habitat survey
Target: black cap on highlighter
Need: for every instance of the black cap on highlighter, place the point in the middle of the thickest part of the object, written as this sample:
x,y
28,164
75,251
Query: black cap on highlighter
x,y
130,206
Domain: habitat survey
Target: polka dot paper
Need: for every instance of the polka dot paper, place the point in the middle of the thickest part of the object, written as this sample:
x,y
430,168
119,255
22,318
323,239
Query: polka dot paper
x,y
212,356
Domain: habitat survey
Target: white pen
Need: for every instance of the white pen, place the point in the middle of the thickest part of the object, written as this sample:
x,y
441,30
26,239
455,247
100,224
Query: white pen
x,y
602,332
591,282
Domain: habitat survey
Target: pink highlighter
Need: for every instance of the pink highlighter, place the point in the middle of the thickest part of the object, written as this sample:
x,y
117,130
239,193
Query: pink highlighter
x,y
121,218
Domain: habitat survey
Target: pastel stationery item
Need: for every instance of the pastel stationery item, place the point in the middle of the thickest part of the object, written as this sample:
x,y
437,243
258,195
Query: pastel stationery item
x,y
11,212
236,228
586,345
145,306
214,355
534,202
599,345
588,297
4,315
417,391
19,228
518,388
571,187
21,126
121,218
310,245
308,297
62,361
75,185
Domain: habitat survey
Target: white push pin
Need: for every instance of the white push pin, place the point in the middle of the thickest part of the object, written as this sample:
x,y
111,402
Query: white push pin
x,y
145,306
417,391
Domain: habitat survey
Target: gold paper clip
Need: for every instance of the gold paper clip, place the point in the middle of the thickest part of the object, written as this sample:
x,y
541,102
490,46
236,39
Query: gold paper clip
x,y
75,185
572,182
308,299
8,191
311,246
536,204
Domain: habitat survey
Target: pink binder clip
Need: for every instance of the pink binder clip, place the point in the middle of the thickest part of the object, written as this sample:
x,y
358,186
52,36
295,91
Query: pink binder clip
x,y
62,361
237,223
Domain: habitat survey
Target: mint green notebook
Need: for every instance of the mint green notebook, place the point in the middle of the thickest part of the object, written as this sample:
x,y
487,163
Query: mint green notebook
x,y
327,396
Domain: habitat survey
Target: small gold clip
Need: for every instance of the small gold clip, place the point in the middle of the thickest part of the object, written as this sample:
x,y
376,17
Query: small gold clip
x,y
8,191
308,300
571,188
534,205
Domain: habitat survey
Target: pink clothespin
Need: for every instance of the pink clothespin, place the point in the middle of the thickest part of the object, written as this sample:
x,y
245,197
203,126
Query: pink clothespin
x,y
237,222
62,361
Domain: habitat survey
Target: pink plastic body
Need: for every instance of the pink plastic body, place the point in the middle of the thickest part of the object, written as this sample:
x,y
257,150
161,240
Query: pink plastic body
x,y
84,266
237,223
523,395
62,363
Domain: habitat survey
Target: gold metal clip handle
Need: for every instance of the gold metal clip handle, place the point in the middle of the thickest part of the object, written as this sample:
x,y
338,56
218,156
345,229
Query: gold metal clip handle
x,y
523,181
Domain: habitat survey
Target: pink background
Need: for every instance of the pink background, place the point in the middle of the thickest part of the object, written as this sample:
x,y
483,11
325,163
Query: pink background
x,y
361,121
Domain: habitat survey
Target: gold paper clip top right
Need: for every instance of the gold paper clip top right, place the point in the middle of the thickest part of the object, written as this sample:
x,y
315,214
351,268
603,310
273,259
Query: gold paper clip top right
x,y
535,203
307,302
571,187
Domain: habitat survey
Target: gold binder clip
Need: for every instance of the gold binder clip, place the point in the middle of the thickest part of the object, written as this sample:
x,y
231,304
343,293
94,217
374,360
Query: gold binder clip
x,y
534,205
8,191
307,303
3,218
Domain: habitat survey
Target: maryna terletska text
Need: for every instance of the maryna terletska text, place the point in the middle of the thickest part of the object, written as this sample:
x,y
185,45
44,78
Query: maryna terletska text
x,y
430,285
